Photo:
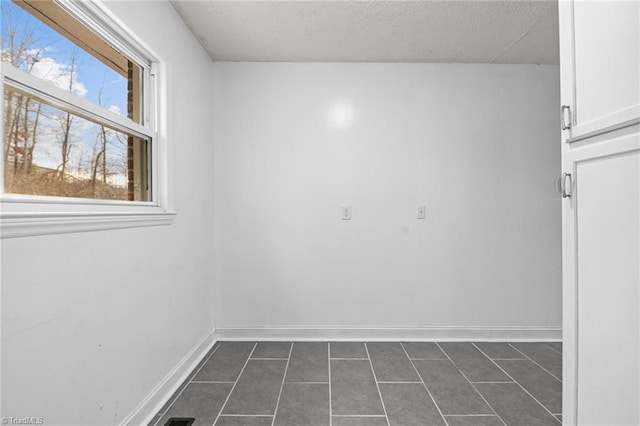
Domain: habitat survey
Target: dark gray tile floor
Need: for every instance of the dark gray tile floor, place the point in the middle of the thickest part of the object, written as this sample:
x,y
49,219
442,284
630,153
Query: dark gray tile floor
x,y
371,384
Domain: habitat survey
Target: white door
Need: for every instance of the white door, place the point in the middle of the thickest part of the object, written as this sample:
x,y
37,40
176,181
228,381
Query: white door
x,y
600,75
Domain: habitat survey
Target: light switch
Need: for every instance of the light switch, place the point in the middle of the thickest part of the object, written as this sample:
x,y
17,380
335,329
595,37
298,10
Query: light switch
x,y
346,212
421,212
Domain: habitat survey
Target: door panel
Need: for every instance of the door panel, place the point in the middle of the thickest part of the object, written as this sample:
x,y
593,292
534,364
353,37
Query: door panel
x,y
608,298
606,41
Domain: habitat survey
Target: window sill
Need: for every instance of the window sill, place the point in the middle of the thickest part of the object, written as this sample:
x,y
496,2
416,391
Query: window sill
x,y
15,225
32,216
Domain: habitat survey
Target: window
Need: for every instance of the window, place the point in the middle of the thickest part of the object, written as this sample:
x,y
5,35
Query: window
x,y
79,118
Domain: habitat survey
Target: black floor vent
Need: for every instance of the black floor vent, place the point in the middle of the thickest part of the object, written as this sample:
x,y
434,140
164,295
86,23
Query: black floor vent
x,y
180,421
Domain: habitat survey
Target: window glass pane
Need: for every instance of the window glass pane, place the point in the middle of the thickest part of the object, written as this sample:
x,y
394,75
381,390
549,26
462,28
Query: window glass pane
x,y
42,39
49,151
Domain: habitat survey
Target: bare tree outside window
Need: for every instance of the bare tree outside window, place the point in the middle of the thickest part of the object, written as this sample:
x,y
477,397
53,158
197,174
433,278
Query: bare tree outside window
x,y
49,150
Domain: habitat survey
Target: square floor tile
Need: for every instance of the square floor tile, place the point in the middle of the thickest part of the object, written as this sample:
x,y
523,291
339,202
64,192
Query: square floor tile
x,y
542,385
272,350
451,390
257,389
499,350
187,380
353,389
547,357
409,404
304,404
423,350
309,362
359,421
226,363
474,421
391,363
556,346
244,421
348,350
514,405
475,366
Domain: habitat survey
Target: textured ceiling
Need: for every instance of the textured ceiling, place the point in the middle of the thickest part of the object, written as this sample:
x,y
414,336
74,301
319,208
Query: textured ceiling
x,y
507,32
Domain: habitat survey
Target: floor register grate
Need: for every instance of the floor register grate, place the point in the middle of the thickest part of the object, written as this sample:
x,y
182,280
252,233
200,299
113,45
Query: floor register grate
x,y
180,421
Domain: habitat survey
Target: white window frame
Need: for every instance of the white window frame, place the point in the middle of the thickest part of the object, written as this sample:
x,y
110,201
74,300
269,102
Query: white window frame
x,y
29,215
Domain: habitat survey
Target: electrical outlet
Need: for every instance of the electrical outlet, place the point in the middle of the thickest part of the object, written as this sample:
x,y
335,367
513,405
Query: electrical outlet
x,y
421,212
346,212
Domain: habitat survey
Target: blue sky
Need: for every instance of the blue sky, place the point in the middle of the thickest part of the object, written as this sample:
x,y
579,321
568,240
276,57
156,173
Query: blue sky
x,y
91,72
89,78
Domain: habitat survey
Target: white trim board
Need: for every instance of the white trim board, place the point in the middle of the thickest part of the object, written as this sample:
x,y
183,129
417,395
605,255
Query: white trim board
x,y
156,399
14,225
359,333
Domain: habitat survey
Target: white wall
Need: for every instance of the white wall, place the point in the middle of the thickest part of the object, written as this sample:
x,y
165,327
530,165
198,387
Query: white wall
x,y
92,322
478,144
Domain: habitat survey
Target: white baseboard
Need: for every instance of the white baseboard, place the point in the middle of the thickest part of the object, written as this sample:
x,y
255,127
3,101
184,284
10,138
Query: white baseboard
x,y
355,333
150,406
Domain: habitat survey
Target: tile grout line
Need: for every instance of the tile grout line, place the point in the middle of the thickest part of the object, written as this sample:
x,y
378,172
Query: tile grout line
x,y
189,380
307,383
375,379
206,360
210,381
507,359
425,385
350,359
484,383
471,383
245,415
236,382
358,415
398,383
269,359
522,387
472,415
531,359
552,348
284,377
427,359
329,368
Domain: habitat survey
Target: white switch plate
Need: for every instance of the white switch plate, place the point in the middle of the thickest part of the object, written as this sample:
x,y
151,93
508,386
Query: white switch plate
x,y
346,212
421,212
